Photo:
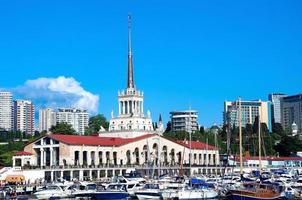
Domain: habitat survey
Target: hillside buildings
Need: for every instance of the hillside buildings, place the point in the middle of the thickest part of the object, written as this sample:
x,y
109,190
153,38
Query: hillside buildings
x,y
47,119
185,120
291,109
24,116
250,110
77,118
6,111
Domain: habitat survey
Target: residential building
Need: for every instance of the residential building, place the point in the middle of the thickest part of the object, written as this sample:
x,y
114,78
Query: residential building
x,y
6,111
24,116
275,98
77,118
249,110
185,120
47,119
291,112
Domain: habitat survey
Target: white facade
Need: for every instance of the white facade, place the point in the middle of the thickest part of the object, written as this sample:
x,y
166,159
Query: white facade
x,y
6,111
24,116
185,120
77,118
94,153
47,119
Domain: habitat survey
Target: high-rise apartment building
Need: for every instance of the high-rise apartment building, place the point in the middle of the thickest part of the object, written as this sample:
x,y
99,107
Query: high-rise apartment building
x,y
6,111
24,116
275,98
47,119
77,118
249,110
291,112
185,120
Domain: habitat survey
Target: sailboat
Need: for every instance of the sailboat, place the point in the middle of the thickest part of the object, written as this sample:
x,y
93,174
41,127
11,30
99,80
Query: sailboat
x,y
199,190
252,191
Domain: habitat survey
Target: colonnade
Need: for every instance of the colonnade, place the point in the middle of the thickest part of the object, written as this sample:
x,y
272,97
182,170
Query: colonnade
x,y
131,107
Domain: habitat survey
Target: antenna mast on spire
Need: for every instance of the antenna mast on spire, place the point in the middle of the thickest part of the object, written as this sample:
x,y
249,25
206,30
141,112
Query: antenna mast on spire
x,y
130,83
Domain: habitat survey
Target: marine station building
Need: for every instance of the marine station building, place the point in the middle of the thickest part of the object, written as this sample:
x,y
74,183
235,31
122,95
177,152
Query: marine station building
x,y
130,142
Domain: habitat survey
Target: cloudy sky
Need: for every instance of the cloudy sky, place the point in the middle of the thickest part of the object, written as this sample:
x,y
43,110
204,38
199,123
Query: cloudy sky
x,y
186,53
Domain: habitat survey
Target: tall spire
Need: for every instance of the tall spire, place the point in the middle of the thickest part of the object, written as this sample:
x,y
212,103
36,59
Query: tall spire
x,y
130,83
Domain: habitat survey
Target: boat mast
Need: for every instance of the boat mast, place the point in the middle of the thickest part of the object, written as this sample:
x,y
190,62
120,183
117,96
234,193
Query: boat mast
x,y
240,138
190,132
259,143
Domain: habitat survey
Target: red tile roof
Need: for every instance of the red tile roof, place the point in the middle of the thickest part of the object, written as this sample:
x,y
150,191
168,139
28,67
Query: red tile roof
x,y
118,141
23,153
95,140
196,145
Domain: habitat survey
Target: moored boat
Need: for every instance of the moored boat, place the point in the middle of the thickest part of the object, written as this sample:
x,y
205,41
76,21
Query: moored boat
x,y
254,191
149,191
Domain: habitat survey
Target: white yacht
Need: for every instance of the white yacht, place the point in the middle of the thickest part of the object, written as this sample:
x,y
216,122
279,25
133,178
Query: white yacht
x,y
55,190
149,191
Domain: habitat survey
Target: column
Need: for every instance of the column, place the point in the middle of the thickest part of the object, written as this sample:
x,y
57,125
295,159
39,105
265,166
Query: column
x,y
22,162
96,158
142,107
90,174
41,157
168,157
88,158
44,158
71,175
98,174
134,107
126,107
61,173
51,156
51,176
81,157
81,175
119,108
123,107
14,161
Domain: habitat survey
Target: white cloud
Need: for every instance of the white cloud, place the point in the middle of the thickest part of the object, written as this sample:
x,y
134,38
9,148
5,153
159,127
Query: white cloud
x,y
58,92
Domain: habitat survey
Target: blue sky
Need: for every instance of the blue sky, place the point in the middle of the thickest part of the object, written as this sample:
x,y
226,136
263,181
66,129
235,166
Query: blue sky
x,y
196,53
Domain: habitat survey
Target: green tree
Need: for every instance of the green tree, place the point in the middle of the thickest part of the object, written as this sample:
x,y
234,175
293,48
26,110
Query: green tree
x,y
95,124
62,128
7,152
169,127
288,145
278,129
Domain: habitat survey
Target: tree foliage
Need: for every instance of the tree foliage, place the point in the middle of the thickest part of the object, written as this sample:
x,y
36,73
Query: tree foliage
x,y
7,152
288,145
62,128
277,142
95,123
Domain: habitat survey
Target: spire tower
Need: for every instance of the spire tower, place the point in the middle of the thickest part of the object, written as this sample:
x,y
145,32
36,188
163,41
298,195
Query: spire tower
x,y
130,83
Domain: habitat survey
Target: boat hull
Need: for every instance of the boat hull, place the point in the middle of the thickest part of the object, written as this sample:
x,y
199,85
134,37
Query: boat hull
x,y
104,195
243,197
147,195
196,194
